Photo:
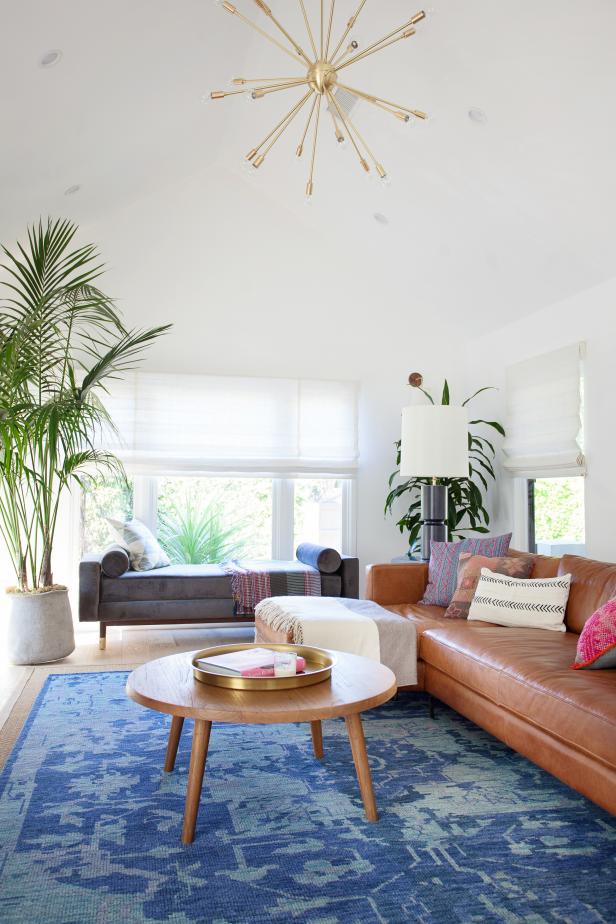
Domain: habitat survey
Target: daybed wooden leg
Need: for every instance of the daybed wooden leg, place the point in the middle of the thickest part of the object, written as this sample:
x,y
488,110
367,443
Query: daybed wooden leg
x,y
102,636
431,707
317,739
174,739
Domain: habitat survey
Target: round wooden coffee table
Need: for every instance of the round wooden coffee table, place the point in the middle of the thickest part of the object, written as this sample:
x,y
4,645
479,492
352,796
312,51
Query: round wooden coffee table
x,y
167,685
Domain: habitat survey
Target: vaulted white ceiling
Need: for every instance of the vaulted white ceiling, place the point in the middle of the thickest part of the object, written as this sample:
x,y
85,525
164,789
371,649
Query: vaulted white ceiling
x,y
484,219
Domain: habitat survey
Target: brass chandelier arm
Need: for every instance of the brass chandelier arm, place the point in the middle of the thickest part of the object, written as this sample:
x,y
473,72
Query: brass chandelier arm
x,y
300,147
396,36
260,92
252,154
309,186
383,102
362,159
293,114
242,81
353,46
308,29
321,28
329,30
350,25
298,48
253,25
366,54
377,166
337,132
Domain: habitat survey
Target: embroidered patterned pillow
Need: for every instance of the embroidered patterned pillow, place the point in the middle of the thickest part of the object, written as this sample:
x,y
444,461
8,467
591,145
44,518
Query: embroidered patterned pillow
x,y
534,603
143,550
596,647
469,572
443,567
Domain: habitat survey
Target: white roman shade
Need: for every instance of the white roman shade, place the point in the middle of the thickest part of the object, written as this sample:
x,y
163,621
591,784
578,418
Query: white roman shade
x,y
544,415
171,423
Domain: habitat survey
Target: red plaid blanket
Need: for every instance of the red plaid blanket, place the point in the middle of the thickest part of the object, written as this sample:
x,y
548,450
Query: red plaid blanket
x,y
253,581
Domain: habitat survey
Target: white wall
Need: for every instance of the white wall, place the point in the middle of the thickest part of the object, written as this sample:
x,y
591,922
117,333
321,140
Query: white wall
x,y
591,317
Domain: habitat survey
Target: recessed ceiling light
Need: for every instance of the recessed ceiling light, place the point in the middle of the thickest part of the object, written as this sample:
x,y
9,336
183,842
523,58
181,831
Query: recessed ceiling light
x,y
72,190
478,116
51,58
380,218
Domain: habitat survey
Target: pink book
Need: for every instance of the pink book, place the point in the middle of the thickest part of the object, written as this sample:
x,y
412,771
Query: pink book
x,y
269,671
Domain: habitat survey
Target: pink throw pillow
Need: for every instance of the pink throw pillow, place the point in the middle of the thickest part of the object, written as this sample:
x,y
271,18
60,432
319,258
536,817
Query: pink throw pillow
x,y
469,572
596,647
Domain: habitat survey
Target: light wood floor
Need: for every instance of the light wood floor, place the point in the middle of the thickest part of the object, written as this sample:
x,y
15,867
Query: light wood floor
x,y
130,647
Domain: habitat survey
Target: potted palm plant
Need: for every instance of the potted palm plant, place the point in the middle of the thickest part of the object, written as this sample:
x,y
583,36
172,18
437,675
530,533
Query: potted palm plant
x,y
61,342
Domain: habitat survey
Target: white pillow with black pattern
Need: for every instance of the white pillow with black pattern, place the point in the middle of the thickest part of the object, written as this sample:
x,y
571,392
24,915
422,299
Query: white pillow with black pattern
x,y
528,603
144,552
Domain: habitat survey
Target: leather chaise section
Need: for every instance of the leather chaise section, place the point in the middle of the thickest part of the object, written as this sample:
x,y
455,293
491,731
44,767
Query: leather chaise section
x,y
528,672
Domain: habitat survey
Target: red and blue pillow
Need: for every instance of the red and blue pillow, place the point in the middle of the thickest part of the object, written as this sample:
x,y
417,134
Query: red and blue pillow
x,y
444,560
596,647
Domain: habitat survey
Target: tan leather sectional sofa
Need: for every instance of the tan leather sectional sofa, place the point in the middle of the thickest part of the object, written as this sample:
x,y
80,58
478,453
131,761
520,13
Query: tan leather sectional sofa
x,y
518,683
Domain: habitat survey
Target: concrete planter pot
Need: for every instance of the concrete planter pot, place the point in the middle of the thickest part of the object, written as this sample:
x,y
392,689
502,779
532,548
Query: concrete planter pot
x,y
40,627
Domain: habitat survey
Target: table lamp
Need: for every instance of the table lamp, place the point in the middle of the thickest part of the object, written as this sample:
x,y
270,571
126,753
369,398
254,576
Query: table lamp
x,y
434,445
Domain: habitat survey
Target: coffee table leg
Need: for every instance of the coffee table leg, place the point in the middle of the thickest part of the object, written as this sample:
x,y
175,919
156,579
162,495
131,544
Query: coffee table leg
x,y
198,755
177,721
317,739
360,757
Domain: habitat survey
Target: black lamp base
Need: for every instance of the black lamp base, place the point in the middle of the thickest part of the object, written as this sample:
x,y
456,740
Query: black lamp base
x,y
434,517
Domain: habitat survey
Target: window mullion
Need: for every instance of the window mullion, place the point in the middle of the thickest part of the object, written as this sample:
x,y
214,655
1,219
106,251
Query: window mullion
x,y
349,517
283,502
145,501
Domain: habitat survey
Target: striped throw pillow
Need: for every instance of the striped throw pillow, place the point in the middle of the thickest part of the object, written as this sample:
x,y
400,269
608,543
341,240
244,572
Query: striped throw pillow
x,y
536,603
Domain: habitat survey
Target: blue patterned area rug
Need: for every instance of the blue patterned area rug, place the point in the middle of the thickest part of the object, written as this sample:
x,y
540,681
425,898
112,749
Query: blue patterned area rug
x,y
469,830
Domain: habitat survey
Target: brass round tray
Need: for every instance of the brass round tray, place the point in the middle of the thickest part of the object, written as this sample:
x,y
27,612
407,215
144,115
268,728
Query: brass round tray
x,y
319,665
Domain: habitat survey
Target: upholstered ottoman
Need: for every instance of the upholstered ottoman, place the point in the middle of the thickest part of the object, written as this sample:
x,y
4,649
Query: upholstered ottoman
x,y
341,624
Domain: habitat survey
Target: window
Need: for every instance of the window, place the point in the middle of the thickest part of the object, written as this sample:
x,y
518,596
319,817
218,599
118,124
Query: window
x,y
214,519
102,498
228,466
211,518
556,515
318,512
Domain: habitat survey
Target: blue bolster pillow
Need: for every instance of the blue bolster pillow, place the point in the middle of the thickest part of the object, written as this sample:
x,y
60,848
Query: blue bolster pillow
x,y
115,561
327,561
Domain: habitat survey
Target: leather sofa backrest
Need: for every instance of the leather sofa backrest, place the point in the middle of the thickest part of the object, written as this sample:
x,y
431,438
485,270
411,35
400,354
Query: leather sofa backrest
x,y
545,566
592,584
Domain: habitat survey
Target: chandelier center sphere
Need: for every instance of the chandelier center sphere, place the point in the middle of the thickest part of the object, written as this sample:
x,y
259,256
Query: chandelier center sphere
x,y
322,76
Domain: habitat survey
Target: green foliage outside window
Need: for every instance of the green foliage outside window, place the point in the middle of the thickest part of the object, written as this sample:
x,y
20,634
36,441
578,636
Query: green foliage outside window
x,y
102,498
203,520
559,510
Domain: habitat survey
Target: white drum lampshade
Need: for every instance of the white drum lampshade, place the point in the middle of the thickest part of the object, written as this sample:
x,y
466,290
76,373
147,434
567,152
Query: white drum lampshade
x,y
434,441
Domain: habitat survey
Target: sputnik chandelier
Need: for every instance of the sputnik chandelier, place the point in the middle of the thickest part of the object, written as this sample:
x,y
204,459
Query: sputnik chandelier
x,y
320,82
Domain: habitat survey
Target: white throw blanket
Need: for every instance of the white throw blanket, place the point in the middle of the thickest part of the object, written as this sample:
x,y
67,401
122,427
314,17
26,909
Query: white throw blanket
x,y
330,626
357,626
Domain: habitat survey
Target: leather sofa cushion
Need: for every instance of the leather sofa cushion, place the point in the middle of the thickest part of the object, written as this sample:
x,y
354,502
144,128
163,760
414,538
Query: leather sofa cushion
x,y
544,566
426,617
593,583
528,672
423,616
176,582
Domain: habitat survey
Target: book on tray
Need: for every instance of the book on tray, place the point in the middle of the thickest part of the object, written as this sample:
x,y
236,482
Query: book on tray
x,y
250,662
